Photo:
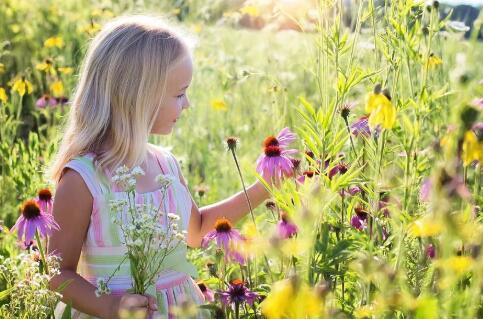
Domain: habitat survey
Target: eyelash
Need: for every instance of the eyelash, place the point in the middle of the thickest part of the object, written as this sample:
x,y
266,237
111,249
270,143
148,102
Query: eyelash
x,y
180,96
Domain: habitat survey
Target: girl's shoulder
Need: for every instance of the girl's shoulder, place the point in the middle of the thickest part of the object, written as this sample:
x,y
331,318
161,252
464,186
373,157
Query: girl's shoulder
x,y
165,155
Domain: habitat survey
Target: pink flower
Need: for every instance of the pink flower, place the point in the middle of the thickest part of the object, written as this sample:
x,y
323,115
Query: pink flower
x,y
339,168
226,238
34,219
275,162
359,220
207,292
430,251
44,198
45,100
285,137
238,294
306,174
285,228
361,127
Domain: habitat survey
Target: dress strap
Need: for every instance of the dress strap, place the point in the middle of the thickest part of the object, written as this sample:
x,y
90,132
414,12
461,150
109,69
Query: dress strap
x,y
96,182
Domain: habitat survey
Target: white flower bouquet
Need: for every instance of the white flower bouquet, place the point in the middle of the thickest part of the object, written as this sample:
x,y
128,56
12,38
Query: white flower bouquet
x,y
147,240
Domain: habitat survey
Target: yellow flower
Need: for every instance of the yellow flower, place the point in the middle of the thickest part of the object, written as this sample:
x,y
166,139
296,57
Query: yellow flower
x,y
250,10
57,88
433,61
425,227
284,301
46,66
382,111
3,95
21,86
458,264
54,42
2,68
218,105
91,28
65,70
472,148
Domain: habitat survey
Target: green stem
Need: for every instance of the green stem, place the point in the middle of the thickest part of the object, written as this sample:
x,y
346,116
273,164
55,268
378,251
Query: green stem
x,y
244,188
41,250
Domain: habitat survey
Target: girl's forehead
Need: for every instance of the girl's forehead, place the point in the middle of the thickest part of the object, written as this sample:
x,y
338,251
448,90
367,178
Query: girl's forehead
x,y
180,74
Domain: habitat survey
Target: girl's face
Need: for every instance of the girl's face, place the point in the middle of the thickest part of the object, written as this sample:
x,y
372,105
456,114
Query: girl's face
x,y
175,100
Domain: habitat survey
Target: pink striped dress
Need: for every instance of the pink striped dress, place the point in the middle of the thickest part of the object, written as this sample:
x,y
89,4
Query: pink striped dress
x,y
103,250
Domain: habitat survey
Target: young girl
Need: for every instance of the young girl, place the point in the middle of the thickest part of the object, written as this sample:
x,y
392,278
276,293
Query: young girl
x,y
132,83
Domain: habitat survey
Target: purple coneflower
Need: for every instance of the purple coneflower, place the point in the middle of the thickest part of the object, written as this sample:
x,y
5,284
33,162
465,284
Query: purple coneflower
x,y
430,251
33,219
275,162
359,220
237,294
207,292
361,127
226,237
339,168
285,137
306,174
46,100
285,228
44,198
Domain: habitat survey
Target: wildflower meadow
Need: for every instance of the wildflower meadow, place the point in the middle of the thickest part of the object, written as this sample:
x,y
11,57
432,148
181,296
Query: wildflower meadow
x,y
363,120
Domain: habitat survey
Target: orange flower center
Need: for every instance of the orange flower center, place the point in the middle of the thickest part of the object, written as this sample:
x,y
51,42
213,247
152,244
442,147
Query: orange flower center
x,y
30,209
273,151
270,141
223,225
45,195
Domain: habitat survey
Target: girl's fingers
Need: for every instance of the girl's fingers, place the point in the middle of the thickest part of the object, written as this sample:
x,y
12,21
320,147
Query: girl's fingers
x,y
152,302
135,301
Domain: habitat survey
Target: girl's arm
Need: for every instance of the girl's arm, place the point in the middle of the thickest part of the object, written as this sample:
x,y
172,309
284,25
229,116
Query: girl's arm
x,y
233,208
72,210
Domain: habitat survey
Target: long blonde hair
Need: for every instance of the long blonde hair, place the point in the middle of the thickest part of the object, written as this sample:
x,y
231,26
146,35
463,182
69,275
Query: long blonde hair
x,y
122,82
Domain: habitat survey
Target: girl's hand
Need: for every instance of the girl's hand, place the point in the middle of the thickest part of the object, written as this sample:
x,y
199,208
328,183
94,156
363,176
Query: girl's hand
x,y
128,304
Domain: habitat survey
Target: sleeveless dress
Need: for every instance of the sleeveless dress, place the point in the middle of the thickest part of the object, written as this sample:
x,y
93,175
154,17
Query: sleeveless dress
x,y
103,250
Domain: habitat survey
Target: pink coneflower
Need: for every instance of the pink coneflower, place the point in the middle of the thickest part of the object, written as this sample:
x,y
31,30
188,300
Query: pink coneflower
x,y
33,219
44,198
431,251
340,168
306,174
361,127
285,137
226,238
238,294
45,100
275,162
207,292
358,221
285,228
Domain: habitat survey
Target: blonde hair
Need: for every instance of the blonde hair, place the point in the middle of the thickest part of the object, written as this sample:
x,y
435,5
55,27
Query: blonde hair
x,y
119,93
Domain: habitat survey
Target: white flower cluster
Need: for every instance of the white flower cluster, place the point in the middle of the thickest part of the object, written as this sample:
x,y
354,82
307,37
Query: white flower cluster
x,y
30,296
149,235
102,288
126,178
164,181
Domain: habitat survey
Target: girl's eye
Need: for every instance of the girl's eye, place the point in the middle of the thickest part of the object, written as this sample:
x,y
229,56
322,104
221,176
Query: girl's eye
x,y
180,96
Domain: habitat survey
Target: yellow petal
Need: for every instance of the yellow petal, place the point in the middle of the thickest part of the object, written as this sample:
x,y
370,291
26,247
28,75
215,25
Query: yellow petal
x,y
57,88
3,95
19,87
66,70
2,68
54,42
218,104
250,10
472,149
425,227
